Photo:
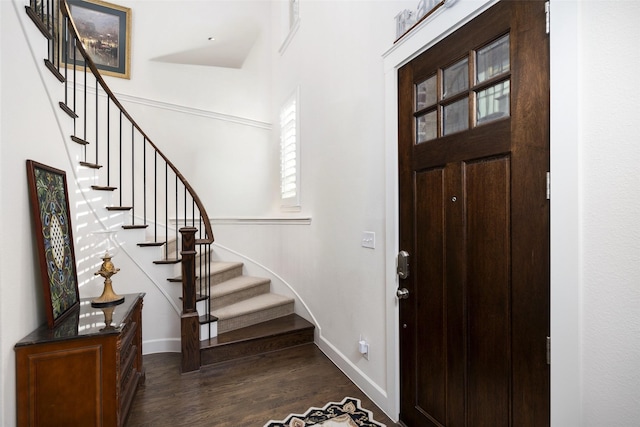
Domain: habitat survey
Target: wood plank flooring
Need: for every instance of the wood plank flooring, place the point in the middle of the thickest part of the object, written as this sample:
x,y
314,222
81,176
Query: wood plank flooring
x,y
247,392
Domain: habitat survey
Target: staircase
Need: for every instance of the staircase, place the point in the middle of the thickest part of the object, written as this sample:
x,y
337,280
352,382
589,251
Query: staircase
x,y
249,318
225,314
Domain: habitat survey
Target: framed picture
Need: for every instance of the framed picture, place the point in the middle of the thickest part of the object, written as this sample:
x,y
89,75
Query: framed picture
x,y
105,32
54,237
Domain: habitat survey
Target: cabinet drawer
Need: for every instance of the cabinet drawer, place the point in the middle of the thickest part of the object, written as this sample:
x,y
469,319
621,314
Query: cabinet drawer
x,y
126,344
129,382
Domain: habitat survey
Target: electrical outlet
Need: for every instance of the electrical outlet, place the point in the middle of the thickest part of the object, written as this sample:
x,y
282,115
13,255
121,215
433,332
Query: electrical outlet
x,y
363,348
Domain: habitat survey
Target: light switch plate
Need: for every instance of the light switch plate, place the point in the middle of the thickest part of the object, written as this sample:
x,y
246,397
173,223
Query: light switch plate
x,y
369,239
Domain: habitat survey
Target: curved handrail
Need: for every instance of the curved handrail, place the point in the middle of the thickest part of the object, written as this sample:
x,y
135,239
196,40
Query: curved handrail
x,y
64,8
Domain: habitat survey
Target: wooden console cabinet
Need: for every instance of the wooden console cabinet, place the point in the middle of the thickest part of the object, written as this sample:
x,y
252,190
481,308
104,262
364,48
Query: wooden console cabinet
x,y
83,372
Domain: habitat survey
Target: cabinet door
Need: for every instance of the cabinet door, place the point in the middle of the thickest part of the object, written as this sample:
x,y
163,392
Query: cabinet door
x,y
67,384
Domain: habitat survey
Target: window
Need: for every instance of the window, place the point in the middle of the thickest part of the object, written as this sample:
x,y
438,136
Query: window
x,y
290,153
453,99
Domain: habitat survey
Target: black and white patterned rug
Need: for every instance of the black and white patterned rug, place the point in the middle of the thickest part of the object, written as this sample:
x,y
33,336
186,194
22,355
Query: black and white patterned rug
x,y
347,413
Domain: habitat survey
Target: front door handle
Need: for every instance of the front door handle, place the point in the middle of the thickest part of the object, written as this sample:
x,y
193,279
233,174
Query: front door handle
x,y
402,293
403,264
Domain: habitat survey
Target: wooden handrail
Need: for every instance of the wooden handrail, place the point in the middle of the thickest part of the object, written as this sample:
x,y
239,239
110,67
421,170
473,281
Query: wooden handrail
x,y
64,8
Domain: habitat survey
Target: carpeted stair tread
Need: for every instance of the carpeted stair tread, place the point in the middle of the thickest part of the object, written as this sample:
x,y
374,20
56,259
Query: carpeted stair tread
x,y
222,266
220,271
251,311
237,289
251,305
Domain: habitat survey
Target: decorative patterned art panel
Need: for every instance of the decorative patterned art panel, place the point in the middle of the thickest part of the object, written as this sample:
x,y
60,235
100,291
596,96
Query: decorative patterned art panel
x,y
53,233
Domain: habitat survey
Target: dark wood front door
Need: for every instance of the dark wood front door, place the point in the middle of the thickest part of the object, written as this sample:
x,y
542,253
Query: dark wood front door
x,y
474,218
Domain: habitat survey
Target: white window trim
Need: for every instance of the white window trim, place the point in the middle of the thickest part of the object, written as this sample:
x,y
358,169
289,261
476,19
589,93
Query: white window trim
x,y
290,203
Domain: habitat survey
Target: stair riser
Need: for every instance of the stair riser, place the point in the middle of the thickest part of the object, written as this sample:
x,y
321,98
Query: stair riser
x,y
208,331
255,347
230,324
217,302
223,276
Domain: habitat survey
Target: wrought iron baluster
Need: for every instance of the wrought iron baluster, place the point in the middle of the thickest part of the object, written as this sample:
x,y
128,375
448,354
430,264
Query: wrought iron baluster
x,y
120,162
155,197
166,211
144,180
133,177
177,220
108,141
97,123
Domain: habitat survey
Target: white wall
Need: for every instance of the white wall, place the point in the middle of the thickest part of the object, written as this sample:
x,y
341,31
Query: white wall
x,y
335,58
609,154
21,307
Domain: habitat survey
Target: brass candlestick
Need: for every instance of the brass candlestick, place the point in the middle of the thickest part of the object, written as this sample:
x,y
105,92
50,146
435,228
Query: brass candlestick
x,y
108,318
108,297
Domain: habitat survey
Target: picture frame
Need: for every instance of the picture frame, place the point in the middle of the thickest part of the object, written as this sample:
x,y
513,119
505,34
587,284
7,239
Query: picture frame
x,y
49,200
105,31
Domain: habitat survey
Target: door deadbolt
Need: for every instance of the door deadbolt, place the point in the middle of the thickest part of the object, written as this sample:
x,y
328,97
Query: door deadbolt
x,y
403,265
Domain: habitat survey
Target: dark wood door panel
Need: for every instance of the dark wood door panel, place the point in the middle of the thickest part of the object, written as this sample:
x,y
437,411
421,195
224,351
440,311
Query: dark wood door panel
x,y
429,293
478,143
488,291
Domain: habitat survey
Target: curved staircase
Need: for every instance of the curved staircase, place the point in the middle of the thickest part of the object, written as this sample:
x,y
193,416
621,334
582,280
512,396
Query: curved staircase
x,y
238,315
249,319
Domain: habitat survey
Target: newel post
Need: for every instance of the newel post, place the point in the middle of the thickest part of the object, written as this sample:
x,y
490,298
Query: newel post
x,y
189,319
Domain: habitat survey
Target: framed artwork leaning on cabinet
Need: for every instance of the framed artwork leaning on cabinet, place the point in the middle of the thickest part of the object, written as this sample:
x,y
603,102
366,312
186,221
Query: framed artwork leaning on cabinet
x,y
54,237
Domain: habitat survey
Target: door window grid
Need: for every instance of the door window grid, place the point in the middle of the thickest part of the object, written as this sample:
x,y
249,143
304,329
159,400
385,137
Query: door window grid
x,y
460,99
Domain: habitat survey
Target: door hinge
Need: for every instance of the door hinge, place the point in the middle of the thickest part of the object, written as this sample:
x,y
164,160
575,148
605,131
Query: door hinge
x,y
547,19
548,350
548,185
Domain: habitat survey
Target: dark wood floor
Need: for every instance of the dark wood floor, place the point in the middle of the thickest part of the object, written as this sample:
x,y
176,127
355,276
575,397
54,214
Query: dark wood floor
x,y
247,392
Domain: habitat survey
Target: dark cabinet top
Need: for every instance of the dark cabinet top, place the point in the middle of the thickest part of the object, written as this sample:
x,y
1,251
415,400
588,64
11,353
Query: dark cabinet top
x,y
85,321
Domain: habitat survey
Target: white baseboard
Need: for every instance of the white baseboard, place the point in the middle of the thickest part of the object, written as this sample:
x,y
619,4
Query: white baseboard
x,y
166,345
369,387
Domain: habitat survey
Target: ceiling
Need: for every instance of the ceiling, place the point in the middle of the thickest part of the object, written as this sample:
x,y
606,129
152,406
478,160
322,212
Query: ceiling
x,y
215,33
229,49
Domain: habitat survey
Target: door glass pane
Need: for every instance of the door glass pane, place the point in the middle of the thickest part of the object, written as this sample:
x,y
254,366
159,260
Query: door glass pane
x,y
455,79
426,93
493,103
456,117
426,127
492,59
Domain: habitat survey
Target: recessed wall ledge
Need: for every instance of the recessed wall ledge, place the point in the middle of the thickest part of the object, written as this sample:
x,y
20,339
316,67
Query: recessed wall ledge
x,y
262,220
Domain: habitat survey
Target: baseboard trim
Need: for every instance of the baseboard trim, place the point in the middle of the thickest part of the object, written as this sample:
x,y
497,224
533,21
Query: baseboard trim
x,y
369,387
167,345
